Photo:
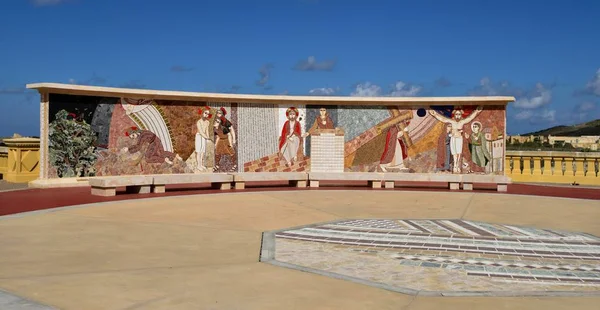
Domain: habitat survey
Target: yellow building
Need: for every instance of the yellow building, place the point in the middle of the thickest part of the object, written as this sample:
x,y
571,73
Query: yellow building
x,y
586,142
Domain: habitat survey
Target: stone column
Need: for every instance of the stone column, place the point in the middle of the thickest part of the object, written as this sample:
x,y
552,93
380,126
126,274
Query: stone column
x,y
23,159
43,141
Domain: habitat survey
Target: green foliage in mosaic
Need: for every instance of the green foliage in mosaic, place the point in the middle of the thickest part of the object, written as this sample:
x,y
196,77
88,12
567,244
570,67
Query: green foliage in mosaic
x,y
71,146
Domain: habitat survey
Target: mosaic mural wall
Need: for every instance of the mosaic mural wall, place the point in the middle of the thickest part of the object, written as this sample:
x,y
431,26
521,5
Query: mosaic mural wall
x,y
96,136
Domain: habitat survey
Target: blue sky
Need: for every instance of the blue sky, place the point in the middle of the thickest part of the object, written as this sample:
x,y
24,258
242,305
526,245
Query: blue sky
x,y
543,52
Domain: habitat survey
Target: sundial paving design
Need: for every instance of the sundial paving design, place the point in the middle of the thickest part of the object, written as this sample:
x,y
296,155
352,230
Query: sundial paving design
x,y
446,255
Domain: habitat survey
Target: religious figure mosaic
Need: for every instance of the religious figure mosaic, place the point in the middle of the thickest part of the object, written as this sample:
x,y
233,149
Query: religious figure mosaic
x,y
147,136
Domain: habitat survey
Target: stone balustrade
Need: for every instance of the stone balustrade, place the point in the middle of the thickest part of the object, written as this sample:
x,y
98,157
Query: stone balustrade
x,y
3,160
21,162
553,167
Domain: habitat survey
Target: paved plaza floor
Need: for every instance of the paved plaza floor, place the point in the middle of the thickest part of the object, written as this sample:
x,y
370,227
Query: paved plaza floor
x,y
202,251
7,186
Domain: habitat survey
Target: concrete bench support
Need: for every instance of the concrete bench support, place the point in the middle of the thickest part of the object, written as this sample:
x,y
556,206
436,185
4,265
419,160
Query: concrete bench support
x,y
374,179
297,179
138,189
375,184
104,191
239,185
159,189
222,186
453,180
107,186
217,180
298,183
501,181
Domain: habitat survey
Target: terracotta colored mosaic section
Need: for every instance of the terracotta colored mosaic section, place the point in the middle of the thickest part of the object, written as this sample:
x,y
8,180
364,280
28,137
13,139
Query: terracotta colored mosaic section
x,y
274,163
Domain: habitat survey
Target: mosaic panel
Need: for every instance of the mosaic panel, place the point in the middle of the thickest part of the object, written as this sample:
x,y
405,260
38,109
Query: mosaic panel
x,y
101,136
357,120
448,255
261,121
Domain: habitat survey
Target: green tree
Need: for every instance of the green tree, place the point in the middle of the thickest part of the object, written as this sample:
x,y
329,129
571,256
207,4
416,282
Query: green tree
x,y
568,146
71,146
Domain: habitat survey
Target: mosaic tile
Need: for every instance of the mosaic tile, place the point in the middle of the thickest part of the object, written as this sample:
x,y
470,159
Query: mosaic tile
x,y
410,263
426,264
452,255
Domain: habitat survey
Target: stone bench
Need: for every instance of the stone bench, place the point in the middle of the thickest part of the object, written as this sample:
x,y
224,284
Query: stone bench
x,y
453,180
297,179
107,186
218,180
501,181
374,178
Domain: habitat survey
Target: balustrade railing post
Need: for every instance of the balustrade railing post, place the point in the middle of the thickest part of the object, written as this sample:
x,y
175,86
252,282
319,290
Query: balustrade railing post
x,y
579,166
547,166
571,168
507,165
527,165
537,166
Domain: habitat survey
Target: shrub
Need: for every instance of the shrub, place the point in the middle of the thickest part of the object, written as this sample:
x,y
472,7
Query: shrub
x,y
71,146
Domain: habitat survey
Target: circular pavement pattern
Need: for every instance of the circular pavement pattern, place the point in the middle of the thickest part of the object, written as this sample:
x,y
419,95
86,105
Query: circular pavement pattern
x,y
451,257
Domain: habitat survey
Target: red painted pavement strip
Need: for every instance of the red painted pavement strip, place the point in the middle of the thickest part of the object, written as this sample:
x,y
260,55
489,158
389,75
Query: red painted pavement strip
x,y
12,202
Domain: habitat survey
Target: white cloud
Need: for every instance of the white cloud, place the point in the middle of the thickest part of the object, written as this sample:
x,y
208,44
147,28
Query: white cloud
x,y
72,81
524,99
547,115
322,91
265,74
541,116
593,86
488,88
524,115
584,110
311,64
586,106
399,89
366,90
541,97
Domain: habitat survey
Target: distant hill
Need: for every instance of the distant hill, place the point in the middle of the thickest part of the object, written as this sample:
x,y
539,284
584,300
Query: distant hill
x,y
586,129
